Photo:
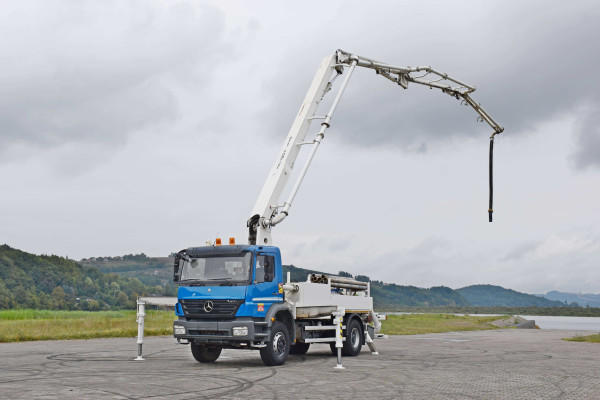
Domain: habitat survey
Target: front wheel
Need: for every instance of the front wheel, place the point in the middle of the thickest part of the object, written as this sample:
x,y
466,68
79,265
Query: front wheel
x,y
278,346
205,354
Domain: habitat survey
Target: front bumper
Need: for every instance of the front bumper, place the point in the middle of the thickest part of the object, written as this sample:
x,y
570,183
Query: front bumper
x,y
221,331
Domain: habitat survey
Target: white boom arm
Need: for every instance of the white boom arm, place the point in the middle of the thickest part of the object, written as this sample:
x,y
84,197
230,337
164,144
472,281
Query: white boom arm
x,y
267,212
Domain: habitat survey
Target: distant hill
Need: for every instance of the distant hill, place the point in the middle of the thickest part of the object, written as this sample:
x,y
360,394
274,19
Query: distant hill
x,y
390,296
582,299
53,282
490,295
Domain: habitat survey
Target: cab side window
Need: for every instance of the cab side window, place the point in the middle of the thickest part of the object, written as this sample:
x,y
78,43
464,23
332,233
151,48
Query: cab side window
x,y
265,268
260,269
269,268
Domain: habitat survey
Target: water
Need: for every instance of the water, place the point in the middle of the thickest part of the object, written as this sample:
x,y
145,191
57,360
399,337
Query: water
x,y
548,322
570,323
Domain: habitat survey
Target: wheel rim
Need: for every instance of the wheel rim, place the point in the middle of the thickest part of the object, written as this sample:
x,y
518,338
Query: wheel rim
x,y
279,343
355,338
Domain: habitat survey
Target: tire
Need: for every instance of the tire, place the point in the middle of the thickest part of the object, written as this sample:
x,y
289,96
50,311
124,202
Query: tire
x,y
278,346
205,354
353,343
299,348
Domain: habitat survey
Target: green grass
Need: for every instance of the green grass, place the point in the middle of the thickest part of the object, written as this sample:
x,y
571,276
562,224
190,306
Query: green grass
x,y
412,324
590,338
25,325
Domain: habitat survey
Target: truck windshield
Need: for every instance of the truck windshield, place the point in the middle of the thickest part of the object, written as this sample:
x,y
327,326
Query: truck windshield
x,y
211,269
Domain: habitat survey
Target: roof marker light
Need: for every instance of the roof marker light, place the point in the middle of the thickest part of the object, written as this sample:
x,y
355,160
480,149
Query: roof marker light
x,y
218,242
231,241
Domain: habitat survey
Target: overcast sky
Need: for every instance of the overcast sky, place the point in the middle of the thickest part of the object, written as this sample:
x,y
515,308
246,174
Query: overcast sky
x,y
150,126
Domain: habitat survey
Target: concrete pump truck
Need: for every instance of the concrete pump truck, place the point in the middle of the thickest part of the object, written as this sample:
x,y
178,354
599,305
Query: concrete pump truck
x,y
235,296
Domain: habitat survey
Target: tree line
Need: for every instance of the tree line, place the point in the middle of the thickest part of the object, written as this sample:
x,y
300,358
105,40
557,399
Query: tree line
x,y
57,283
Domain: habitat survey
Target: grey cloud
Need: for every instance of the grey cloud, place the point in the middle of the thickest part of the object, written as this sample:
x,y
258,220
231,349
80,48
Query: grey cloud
x,y
529,63
98,115
96,72
520,251
587,140
328,244
428,246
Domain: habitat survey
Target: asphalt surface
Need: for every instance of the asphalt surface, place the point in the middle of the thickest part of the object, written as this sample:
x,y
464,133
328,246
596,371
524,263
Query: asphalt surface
x,y
503,364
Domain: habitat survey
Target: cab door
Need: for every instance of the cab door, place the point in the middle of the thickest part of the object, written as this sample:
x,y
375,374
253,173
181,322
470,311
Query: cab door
x,y
264,290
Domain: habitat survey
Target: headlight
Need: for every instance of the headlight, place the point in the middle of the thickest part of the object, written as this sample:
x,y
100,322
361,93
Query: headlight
x,y
240,331
179,330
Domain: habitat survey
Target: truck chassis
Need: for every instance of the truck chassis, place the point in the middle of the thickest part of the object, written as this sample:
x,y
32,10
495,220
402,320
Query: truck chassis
x,y
324,309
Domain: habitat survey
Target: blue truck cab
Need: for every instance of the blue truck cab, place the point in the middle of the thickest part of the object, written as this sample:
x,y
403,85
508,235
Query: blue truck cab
x,y
232,297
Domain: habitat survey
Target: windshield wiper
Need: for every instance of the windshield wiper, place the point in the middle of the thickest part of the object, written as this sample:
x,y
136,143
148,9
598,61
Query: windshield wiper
x,y
193,282
226,281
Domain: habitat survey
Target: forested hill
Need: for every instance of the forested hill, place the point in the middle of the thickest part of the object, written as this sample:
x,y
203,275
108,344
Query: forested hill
x,y
52,282
490,295
149,270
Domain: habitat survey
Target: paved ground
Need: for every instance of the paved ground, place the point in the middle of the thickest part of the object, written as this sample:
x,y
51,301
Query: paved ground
x,y
503,364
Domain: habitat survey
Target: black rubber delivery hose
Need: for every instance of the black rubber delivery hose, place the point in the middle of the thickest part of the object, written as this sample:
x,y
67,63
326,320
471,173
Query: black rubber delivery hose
x,y
491,208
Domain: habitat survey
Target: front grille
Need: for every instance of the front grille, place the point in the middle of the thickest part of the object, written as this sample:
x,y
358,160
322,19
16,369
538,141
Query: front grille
x,y
208,333
197,308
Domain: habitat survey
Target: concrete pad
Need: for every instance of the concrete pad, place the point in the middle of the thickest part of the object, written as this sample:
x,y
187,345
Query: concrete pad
x,y
504,364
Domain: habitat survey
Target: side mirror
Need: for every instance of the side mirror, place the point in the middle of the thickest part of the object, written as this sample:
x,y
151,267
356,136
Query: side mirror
x,y
176,268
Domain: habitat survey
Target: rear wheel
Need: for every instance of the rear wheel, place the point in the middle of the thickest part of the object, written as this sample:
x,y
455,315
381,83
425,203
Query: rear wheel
x,y
353,343
205,354
299,348
277,347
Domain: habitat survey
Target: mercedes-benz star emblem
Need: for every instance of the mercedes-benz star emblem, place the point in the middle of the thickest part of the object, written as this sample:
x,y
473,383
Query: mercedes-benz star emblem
x,y
208,306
